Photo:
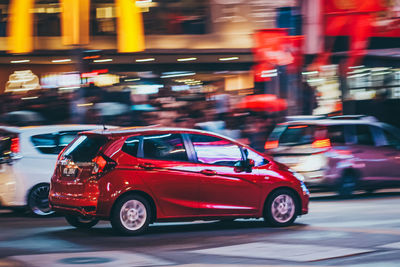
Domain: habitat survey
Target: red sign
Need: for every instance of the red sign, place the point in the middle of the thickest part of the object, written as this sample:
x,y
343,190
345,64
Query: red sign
x,y
269,46
93,73
345,17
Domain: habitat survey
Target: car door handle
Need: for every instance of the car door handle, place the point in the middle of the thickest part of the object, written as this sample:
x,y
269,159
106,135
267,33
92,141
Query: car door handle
x,y
147,166
208,172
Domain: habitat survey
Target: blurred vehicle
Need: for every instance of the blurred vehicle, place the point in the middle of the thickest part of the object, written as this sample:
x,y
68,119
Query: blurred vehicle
x,y
27,159
134,177
341,153
22,118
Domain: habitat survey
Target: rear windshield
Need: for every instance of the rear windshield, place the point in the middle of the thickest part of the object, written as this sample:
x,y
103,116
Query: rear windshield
x,y
297,135
84,148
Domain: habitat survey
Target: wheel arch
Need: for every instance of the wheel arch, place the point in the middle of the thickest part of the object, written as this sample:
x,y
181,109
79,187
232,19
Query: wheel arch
x,y
142,194
295,193
28,193
351,171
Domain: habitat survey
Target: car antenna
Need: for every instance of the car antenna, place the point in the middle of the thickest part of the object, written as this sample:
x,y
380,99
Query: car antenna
x,y
103,123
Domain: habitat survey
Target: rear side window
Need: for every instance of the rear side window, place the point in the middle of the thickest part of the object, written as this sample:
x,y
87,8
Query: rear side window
x,y
164,147
297,135
364,135
131,146
46,143
84,148
53,143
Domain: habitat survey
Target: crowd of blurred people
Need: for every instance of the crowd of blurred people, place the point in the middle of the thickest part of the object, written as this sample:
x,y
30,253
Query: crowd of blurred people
x,y
216,112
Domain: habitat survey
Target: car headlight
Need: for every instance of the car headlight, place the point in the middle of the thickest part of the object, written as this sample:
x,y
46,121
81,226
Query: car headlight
x,y
311,163
305,189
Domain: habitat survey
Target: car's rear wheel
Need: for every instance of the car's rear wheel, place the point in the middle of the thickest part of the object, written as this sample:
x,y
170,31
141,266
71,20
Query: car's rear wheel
x,y
81,221
38,200
281,208
347,185
131,215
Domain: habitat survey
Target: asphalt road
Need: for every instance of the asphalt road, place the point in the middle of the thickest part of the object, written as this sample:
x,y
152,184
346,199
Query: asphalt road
x,y
363,231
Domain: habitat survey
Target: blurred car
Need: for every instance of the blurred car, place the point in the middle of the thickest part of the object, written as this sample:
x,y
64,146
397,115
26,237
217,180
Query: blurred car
x,y
342,153
27,159
134,177
22,118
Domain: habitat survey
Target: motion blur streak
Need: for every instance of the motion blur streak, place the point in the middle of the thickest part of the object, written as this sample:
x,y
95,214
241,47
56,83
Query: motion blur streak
x,y
20,39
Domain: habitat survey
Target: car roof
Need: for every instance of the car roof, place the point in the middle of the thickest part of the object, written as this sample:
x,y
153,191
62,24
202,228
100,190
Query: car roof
x,y
127,131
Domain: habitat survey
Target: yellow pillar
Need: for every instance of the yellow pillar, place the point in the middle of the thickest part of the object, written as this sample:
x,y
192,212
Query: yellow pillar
x,y
75,21
20,26
130,27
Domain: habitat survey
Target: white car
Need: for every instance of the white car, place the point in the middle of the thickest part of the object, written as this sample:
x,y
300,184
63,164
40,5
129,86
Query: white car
x,y
27,159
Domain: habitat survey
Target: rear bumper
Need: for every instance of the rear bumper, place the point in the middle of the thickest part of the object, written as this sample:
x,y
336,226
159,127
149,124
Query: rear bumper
x,y
84,211
76,198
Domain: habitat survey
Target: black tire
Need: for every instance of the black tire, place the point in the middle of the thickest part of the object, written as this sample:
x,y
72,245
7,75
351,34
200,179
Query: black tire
x,y
131,215
81,222
38,200
281,208
348,183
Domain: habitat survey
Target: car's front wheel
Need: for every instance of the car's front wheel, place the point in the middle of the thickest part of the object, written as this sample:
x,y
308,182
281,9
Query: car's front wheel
x,y
38,200
281,208
131,215
81,222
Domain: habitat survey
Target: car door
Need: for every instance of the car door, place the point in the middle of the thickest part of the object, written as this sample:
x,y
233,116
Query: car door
x,y
369,157
225,189
388,142
170,175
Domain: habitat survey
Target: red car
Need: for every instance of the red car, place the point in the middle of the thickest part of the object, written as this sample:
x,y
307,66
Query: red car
x,y
137,176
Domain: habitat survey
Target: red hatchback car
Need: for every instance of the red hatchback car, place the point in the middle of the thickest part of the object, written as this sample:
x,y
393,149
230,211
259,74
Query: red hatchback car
x,y
137,176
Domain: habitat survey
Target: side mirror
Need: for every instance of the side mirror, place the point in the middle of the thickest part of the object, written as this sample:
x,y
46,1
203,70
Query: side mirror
x,y
245,166
250,163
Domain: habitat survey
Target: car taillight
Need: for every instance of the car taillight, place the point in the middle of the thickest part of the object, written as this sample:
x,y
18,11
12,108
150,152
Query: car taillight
x,y
322,143
271,144
15,148
102,164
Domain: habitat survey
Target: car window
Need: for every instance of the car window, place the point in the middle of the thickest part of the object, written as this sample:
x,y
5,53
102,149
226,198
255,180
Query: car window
x,y
336,134
131,146
258,159
164,147
364,135
297,135
67,137
277,132
45,143
391,139
84,148
215,150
